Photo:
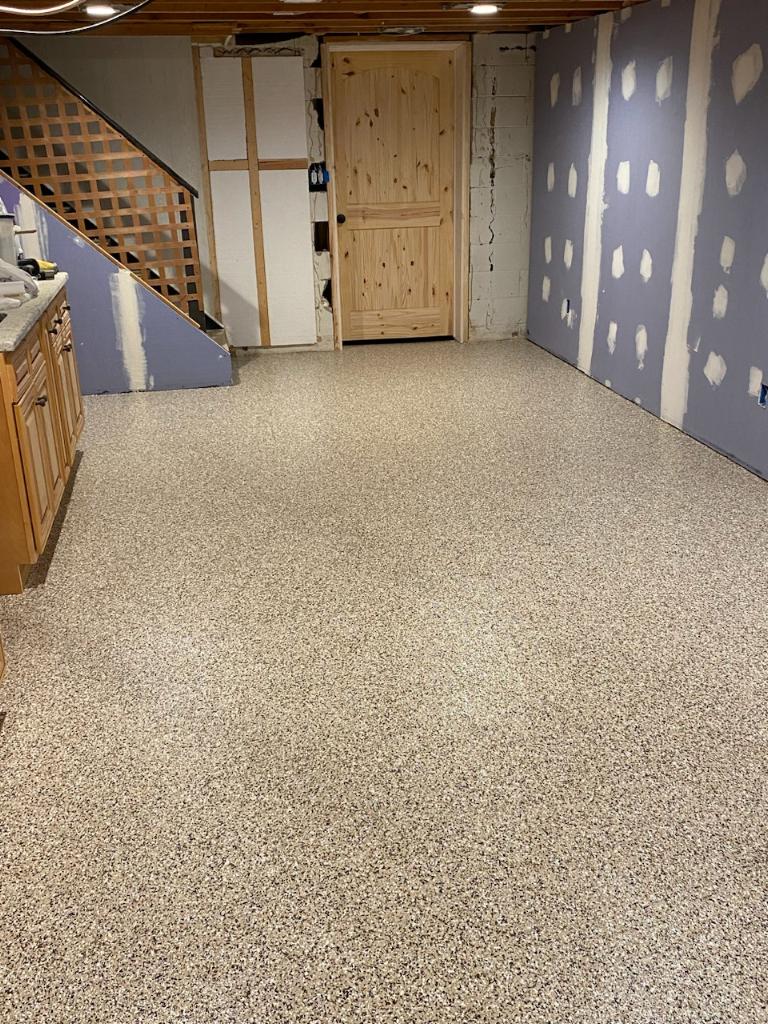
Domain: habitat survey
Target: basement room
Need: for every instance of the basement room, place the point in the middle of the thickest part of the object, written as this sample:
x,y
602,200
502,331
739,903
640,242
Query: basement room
x,y
383,512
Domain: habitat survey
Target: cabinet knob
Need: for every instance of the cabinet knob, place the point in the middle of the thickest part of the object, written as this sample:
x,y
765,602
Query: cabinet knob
x,y
42,400
66,348
53,330
340,218
59,320
66,308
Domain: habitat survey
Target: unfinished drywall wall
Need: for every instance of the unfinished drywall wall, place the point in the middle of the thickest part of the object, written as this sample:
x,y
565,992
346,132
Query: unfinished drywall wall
x,y
500,176
308,48
147,85
128,338
648,246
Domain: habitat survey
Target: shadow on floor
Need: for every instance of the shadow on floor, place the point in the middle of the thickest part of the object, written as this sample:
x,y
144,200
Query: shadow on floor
x,y
38,573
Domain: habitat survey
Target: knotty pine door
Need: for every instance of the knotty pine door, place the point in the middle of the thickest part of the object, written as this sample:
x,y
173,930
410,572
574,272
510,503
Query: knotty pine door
x,y
394,179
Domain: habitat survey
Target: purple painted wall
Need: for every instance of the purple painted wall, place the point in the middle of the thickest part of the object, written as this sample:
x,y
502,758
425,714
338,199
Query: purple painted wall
x,y
127,337
649,106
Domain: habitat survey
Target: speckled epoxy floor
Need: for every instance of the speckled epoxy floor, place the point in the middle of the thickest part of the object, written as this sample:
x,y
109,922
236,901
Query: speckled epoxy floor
x,y
414,684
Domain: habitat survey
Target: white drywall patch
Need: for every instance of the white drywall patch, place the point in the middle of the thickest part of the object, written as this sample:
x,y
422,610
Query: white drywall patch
x,y
548,249
288,257
278,93
629,80
550,178
646,266
641,345
224,108
235,255
664,80
747,70
755,381
715,369
568,253
624,177
617,263
576,92
126,314
573,182
613,331
727,254
720,303
653,180
764,275
546,288
735,173
676,368
595,204
554,88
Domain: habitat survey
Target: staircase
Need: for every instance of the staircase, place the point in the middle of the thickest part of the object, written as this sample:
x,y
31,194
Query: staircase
x,y
98,178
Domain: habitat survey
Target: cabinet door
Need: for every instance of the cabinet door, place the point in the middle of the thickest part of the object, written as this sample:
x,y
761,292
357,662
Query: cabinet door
x,y
37,442
70,380
64,367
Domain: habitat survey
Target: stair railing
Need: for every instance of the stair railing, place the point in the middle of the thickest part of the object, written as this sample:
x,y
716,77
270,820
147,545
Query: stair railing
x,y
98,177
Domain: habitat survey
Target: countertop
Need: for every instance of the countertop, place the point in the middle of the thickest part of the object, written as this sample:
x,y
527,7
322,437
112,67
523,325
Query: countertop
x,y
19,322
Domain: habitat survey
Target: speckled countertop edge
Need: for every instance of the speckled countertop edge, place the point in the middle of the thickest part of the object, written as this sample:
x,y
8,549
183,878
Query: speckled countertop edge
x,y
18,322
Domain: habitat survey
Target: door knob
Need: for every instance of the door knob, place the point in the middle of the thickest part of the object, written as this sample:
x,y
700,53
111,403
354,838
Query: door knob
x,y
340,218
42,400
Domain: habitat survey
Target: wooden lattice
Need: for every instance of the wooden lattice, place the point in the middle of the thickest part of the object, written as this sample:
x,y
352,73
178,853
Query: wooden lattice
x,y
79,164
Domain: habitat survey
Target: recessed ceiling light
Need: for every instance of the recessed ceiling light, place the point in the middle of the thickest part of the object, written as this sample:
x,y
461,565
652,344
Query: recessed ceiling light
x,y
101,10
484,9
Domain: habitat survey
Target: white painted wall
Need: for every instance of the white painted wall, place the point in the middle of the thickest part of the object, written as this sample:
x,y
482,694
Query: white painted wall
x,y
147,85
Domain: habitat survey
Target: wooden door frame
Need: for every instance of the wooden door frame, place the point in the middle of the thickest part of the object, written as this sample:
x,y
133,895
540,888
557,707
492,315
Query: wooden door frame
x,y
462,71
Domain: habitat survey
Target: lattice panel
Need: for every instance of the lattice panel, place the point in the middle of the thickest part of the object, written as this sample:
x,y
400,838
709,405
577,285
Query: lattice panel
x,y
58,148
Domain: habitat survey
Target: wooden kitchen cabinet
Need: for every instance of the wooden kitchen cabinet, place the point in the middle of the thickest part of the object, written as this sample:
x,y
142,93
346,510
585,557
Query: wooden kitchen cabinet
x,y
41,419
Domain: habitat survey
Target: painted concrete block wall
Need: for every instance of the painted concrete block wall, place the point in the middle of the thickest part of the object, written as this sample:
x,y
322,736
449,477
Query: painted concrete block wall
x,y
500,178
648,246
127,337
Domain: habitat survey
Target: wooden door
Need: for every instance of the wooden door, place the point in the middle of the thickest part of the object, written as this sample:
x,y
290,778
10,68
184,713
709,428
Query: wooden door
x,y
39,456
393,173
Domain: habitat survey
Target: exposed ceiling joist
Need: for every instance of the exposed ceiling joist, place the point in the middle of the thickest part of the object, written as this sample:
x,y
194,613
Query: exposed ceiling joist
x,y
217,18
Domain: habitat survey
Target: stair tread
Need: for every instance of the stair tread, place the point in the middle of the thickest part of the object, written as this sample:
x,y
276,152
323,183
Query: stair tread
x,y
219,335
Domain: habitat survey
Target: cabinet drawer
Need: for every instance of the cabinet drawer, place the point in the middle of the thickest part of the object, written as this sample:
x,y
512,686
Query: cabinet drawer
x,y
26,361
58,326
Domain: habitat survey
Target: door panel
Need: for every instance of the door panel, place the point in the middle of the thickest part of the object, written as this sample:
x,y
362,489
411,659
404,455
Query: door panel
x,y
394,160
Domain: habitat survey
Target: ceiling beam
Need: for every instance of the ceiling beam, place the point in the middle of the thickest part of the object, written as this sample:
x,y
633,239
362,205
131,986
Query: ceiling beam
x,y
215,18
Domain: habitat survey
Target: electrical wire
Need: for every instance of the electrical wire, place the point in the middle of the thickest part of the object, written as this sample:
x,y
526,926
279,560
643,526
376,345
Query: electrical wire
x,y
7,31
38,12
